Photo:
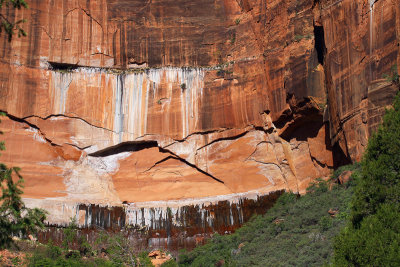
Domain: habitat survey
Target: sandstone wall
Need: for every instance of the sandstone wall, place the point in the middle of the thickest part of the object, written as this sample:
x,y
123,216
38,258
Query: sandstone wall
x,y
113,101
362,47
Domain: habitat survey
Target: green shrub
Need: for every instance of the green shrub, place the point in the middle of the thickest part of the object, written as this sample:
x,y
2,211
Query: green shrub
x,y
233,38
296,231
375,243
118,248
380,179
372,236
53,252
15,218
7,22
70,234
144,260
325,223
170,263
393,76
53,255
299,37
356,167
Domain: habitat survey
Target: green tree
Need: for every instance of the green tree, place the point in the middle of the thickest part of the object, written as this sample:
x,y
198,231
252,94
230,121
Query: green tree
x,y
373,234
380,180
375,243
15,217
119,249
8,25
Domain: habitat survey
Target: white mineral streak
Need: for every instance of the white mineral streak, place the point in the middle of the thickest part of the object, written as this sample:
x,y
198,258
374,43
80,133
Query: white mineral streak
x,y
146,214
87,181
371,30
133,103
118,112
269,171
150,213
61,83
190,82
136,91
132,96
60,212
106,165
206,201
37,136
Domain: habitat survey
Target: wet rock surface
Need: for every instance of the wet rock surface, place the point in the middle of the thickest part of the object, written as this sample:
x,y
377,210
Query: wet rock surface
x,y
139,102
165,227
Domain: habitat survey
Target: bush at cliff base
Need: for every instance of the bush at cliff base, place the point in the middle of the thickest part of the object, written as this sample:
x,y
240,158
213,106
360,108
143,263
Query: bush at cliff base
x,y
373,235
297,231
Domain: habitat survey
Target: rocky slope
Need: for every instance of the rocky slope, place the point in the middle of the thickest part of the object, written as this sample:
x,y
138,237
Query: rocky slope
x,y
139,102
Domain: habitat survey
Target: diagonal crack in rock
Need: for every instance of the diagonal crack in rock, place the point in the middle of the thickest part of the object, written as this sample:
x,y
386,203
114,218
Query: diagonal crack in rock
x,y
24,121
133,146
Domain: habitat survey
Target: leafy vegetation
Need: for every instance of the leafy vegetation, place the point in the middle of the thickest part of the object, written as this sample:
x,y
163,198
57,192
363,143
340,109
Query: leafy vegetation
x,y
299,37
170,263
73,240
393,76
15,217
111,250
373,235
51,255
159,101
297,231
233,38
8,25
119,250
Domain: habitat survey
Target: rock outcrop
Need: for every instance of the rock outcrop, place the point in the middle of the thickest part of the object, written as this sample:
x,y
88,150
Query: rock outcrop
x,y
112,102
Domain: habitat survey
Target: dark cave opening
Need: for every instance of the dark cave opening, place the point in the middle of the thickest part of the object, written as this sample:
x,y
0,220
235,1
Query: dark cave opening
x,y
57,66
320,43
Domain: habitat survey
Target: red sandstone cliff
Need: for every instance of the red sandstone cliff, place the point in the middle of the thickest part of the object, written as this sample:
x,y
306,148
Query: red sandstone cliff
x,y
135,101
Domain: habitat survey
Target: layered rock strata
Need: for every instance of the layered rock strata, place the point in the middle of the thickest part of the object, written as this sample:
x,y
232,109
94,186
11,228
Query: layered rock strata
x,y
167,225
113,102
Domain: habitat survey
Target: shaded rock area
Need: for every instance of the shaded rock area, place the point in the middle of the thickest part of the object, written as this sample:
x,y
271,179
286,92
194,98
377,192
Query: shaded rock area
x,y
168,225
140,102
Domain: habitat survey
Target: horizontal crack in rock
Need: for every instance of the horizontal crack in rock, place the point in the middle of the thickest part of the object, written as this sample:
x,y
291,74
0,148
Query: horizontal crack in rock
x,y
140,145
69,117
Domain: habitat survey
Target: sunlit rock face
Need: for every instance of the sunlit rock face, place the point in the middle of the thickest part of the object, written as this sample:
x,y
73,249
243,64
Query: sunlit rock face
x,y
113,102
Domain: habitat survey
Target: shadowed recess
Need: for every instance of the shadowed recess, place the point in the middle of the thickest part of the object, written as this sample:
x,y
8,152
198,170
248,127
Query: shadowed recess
x,y
124,147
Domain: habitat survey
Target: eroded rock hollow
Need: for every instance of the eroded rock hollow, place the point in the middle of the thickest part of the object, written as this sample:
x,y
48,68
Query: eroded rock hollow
x,y
141,104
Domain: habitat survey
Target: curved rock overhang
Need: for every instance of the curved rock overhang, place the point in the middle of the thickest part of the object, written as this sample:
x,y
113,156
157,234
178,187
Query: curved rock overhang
x,y
111,102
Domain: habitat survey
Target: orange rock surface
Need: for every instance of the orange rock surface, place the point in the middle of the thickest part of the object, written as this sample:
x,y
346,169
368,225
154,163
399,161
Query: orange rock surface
x,y
111,101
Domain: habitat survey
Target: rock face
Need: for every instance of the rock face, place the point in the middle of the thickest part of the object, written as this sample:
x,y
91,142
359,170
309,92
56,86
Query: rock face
x,y
358,57
113,101
171,225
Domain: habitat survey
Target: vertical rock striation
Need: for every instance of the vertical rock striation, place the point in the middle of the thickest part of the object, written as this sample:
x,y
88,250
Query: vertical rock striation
x,y
112,102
